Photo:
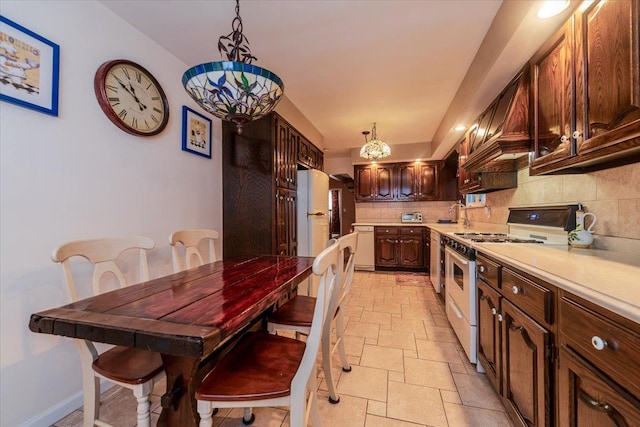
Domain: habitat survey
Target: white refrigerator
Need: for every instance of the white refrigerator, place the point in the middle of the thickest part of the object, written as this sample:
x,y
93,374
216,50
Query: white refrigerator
x,y
312,220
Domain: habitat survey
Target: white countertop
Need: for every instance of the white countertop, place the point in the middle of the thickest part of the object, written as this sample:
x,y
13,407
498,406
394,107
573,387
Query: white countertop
x,y
607,278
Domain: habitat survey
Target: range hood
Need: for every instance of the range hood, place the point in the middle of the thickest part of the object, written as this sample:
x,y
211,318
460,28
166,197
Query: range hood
x,y
502,130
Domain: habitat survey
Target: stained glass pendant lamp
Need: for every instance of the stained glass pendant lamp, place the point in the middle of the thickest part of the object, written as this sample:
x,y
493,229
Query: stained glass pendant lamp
x,y
234,90
374,149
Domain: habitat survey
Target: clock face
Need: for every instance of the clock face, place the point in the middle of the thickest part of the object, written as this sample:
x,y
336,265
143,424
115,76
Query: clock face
x,y
131,97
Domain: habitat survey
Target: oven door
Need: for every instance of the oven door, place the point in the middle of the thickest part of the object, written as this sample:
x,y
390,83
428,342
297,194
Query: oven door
x,y
459,279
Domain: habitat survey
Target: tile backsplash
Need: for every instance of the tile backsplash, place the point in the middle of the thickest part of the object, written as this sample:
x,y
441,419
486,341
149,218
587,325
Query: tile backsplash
x,y
613,195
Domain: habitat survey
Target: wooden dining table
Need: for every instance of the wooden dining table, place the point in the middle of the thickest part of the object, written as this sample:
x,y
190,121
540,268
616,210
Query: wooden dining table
x,y
188,317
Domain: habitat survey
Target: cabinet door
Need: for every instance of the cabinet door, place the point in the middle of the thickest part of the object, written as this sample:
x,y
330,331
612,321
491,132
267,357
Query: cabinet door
x,y
304,156
292,226
553,108
526,365
364,183
387,251
608,69
427,187
280,163
406,180
589,399
489,333
290,158
281,224
411,251
384,183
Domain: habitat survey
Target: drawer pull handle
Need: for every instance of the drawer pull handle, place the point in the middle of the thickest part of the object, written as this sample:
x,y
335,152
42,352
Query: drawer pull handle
x,y
483,297
516,290
598,343
482,269
516,328
494,311
615,416
500,318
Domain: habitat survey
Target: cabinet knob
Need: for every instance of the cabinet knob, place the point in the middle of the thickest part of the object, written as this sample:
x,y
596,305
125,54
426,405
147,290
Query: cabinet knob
x,y
494,311
516,290
598,343
576,135
564,138
500,317
482,269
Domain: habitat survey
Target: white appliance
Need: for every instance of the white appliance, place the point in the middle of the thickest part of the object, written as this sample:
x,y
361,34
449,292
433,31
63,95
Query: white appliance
x,y
312,220
434,262
365,255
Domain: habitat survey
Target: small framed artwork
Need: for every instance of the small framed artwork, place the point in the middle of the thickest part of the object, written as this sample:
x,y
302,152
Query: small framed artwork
x,y
196,133
29,68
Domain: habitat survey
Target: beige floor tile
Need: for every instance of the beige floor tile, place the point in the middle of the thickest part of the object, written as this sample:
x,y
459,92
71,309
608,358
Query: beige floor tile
x,y
457,368
376,317
395,339
365,382
428,373
444,334
396,376
390,359
387,307
476,390
468,416
421,313
377,408
353,345
398,299
267,417
450,397
350,412
362,329
407,325
376,421
353,312
438,351
416,404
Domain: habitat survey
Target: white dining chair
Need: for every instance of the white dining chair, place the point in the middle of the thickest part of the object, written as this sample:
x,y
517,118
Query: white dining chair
x,y
296,314
190,239
263,369
131,368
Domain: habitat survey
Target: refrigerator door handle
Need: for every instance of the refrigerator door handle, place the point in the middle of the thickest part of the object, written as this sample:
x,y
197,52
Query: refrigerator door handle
x,y
316,214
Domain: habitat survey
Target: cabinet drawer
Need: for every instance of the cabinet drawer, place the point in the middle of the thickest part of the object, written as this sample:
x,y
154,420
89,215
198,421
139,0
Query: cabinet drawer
x,y
586,331
411,231
488,271
530,297
386,230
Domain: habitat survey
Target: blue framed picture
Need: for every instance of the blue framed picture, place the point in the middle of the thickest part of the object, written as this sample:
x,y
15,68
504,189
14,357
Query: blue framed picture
x,y
196,133
29,68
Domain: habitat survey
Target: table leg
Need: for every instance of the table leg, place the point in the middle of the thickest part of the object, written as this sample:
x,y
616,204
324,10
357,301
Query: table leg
x,y
179,403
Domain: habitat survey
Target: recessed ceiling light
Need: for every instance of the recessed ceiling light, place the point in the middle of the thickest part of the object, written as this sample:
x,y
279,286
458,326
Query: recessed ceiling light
x,y
459,128
551,8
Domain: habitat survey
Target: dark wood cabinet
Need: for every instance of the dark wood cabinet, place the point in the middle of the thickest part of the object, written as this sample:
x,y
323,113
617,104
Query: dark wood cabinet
x,y
401,248
309,155
416,181
586,96
489,333
527,367
259,170
599,368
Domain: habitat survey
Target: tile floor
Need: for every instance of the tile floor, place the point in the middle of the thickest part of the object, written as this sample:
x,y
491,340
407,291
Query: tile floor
x,y
409,370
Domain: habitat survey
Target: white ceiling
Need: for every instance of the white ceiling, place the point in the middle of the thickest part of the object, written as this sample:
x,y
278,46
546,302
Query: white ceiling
x,y
346,64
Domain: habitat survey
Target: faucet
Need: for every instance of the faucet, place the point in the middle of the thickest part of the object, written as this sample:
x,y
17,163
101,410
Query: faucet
x,y
460,205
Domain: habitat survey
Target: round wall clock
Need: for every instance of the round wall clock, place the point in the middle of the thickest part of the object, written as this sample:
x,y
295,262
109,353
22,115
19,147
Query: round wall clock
x,y
131,97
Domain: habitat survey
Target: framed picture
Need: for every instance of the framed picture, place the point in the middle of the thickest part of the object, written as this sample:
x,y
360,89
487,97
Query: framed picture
x,y
196,133
29,68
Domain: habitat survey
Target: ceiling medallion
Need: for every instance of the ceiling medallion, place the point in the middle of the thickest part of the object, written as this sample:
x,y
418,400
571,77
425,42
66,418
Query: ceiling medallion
x,y
234,90
374,149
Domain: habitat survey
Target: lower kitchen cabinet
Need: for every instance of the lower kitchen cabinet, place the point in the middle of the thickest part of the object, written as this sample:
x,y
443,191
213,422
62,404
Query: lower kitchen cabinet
x,y
400,248
599,366
489,334
526,361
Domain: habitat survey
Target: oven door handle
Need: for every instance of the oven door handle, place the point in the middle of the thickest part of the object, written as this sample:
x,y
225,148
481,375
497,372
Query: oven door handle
x,y
455,255
456,309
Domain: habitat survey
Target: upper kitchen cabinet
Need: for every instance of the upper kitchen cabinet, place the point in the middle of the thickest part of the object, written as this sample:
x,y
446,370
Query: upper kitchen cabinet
x,y
259,171
586,91
309,155
415,181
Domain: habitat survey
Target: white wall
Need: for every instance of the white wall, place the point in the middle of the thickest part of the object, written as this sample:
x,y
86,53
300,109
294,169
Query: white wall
x,y
77,176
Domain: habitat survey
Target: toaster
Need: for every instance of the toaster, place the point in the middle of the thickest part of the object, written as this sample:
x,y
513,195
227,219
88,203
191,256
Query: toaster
x,y
411,217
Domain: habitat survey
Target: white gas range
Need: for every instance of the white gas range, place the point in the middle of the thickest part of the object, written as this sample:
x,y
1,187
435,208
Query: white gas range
x,y
530,225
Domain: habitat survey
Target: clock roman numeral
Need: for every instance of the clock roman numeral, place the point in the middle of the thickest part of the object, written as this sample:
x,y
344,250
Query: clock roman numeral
x,y
155,98
138,76
122,114
156,110
147,124
134,122
154,119
126,73
112,88
149,86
